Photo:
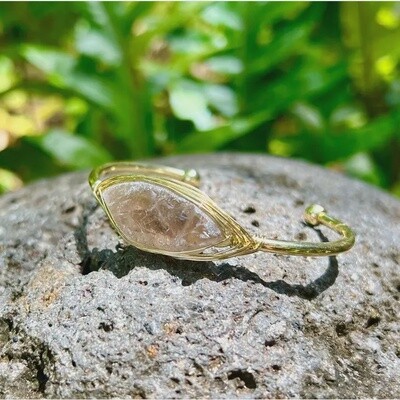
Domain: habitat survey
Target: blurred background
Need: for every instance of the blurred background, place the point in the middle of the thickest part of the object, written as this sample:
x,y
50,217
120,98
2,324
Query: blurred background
x,y
84,83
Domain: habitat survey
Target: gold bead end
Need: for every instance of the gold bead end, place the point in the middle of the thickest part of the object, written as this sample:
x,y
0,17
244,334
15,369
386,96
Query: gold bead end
x,y
312,214
192,176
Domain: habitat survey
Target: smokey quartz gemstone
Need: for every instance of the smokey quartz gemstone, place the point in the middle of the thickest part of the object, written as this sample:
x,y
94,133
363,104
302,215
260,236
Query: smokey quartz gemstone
x,y
156,218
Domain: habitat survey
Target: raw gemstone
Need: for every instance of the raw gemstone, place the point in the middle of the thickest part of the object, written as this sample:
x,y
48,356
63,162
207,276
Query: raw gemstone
x,y
154,217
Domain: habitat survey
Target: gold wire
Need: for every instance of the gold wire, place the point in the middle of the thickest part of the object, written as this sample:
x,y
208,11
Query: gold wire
x,y
237,240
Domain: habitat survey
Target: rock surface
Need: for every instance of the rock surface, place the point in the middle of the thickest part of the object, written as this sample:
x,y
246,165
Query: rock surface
x,y
81,316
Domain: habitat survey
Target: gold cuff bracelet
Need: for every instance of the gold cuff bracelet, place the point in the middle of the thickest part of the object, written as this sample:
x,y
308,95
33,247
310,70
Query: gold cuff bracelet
x,y
161,210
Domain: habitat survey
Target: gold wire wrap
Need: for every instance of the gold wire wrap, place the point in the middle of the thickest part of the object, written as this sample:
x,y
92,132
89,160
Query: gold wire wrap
x,y
238,241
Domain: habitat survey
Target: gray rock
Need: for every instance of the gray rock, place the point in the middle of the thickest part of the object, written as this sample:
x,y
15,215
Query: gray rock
x,y
82,316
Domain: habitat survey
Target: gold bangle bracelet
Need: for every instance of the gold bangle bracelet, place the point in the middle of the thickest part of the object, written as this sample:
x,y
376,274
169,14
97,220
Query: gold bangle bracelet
x,y
161,210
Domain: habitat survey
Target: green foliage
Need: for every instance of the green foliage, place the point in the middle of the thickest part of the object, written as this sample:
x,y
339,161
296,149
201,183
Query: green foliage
x,y
92,81
71,150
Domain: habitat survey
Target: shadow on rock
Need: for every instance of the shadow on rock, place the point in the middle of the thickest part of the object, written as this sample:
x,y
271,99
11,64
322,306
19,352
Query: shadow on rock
x,y
125,259
122,261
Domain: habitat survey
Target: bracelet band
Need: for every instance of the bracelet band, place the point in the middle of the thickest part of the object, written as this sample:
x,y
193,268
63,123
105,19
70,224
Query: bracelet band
x,y
161,210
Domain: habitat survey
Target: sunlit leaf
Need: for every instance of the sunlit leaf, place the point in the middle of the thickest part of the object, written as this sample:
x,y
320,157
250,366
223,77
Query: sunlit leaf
x,y
192,43
16,124
387,17
54,62
9,181
7,73
97,44
70,150
309,116
215,138
219,14
225,65
189,103
221,98
346,116
64,72
363,167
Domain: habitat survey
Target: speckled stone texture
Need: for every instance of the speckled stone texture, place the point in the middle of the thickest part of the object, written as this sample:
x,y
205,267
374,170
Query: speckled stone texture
x,y
81,316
